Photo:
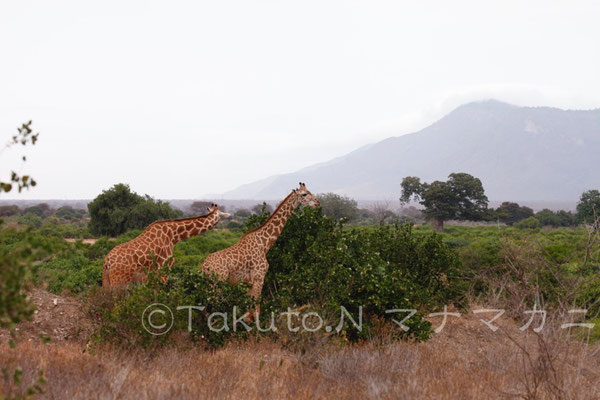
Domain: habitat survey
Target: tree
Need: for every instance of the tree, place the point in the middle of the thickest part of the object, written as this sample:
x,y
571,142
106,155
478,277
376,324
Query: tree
x,y
411,212
461,197
242,213
42,210
566,218
547,217
588,207
337,207
262,208
30,219
24,137
8,211
559,218
69,213
15,266
15,260
381,212
200,207
509,213
118,209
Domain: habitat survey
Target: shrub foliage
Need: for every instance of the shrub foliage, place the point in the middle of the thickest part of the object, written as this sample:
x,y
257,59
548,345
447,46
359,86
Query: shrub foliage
x,y
315,261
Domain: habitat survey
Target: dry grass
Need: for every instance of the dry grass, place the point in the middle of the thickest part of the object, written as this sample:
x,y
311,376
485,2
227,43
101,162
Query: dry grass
x,y
466,360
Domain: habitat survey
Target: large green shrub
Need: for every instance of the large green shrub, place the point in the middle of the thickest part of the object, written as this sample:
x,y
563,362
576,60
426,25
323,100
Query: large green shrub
x,y
123,316
315,261
16,254
528,223
15,262
71,272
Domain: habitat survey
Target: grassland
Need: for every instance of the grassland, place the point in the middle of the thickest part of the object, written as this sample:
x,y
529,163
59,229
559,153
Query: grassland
x,y
500,267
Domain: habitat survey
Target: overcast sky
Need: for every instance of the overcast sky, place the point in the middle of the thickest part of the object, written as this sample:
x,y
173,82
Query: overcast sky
x,y
181,99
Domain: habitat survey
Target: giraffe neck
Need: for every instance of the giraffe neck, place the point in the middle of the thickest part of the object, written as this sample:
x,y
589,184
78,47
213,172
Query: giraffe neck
x,y
270,230
188,227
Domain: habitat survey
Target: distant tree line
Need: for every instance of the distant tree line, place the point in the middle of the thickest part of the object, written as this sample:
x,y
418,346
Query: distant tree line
x,y
524,217
36,215
462,197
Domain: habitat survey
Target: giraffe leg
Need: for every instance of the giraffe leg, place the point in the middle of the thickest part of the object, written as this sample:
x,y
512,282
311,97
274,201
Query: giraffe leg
x,y
164,278
257,278
255,291
138,277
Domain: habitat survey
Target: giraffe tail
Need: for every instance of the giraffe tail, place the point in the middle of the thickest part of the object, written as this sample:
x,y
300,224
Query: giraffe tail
x,y
105,278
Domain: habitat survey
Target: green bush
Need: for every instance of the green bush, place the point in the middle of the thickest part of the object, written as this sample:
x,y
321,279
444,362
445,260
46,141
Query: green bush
x,y
72,273
31,220
193,251
315,261
120,314
20,251
528,223
100,248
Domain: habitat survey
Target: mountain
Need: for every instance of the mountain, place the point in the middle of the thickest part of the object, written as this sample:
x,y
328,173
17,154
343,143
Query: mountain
x,y
519,153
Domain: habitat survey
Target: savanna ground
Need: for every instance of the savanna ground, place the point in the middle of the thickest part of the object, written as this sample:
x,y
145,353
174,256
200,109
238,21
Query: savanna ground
x,y
465,360
499,268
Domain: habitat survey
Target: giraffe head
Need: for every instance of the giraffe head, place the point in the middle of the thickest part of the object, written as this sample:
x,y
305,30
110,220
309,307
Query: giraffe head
x,y
306,197
215,208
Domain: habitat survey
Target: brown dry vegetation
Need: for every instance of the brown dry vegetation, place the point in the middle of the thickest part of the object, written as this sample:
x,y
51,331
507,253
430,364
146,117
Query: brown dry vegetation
x,y
466,360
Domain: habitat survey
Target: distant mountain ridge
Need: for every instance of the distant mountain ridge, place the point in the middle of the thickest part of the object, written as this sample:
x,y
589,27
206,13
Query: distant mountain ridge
x,y
519,153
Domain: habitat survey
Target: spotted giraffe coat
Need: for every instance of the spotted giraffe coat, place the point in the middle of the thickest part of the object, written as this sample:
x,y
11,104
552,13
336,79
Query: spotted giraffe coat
x,y
246,261
128,262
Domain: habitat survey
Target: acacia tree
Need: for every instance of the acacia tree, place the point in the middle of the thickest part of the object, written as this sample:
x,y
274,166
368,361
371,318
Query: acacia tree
x,y
461,197
510,213
381,211
260,209
588,208
337,207
200,207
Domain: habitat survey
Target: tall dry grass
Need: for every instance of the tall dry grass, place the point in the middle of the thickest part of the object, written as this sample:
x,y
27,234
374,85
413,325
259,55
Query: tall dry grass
x,y
465,361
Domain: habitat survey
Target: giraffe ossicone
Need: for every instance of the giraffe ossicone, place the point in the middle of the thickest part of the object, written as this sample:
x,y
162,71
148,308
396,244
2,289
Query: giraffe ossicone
x,y
246,261
128,262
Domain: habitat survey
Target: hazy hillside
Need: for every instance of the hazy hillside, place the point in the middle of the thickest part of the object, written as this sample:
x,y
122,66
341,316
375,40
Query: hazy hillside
x,y
520,153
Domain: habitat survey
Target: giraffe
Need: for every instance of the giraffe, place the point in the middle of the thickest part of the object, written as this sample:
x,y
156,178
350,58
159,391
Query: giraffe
x,y
246,261
128,261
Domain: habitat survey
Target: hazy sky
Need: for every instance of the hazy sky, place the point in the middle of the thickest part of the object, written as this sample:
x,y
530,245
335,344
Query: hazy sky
x,y
181,99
